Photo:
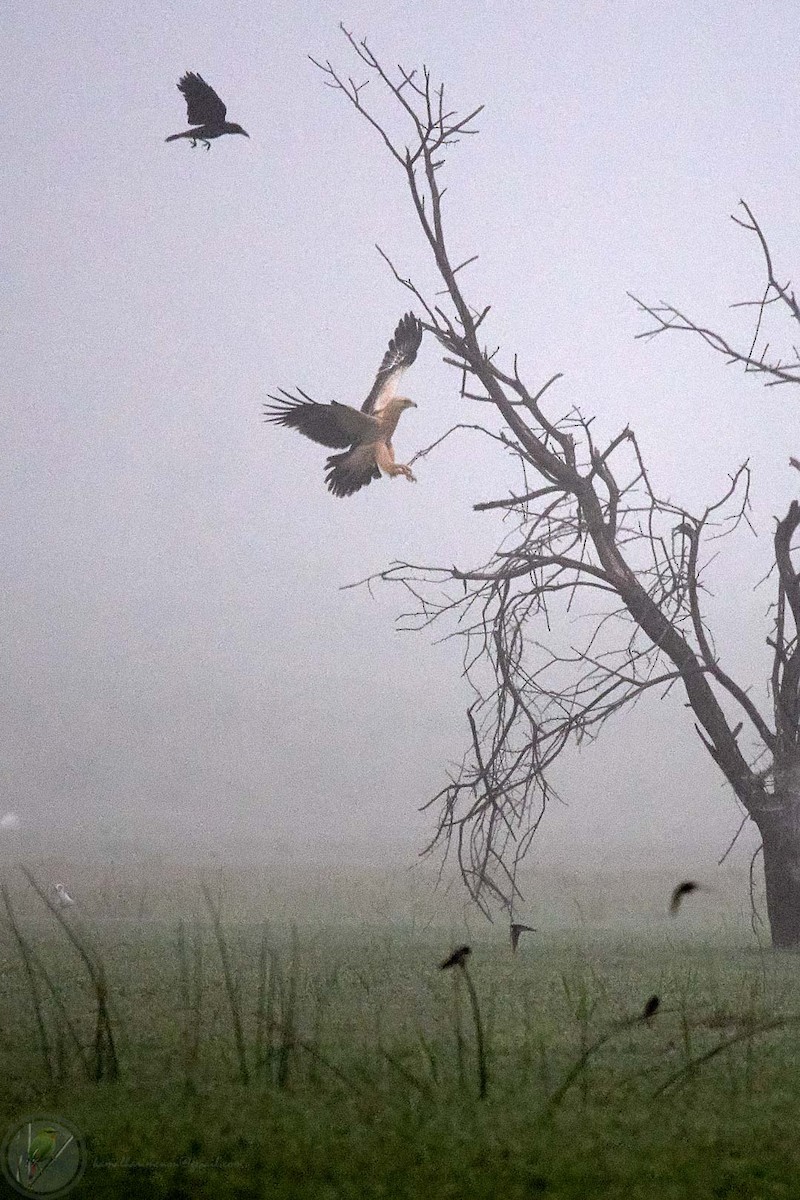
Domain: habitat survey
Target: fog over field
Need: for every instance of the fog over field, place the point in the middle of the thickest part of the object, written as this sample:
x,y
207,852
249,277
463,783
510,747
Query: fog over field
x,y
182,674
228,969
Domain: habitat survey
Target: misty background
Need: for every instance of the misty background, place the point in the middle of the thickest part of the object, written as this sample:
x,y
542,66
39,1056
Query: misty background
x,y
180,669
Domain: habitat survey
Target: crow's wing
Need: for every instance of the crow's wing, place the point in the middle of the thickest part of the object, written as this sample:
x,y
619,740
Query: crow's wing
x,y
401,353
203,105
335,425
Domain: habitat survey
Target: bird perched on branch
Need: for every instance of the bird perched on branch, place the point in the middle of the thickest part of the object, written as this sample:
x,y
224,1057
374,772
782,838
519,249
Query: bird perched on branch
x,y
650,1009
367,433
205,110
41,1150
457,959
683,889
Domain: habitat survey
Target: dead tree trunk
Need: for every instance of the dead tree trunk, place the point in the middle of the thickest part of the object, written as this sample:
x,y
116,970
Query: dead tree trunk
x,y
780,837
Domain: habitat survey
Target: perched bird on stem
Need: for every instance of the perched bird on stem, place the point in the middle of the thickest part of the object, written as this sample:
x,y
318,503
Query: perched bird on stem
x,y
205,110
683,889
63,898
516,930
650,1009
457,958
40,1151
366,432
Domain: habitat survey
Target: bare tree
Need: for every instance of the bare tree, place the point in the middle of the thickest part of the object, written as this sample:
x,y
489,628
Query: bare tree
x,y
584,523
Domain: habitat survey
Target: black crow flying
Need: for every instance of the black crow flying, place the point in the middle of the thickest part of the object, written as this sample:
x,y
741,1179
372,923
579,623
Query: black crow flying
x,y
205,111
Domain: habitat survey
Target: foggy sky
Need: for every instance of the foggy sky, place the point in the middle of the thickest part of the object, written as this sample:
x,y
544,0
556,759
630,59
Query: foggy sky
x,y
177,655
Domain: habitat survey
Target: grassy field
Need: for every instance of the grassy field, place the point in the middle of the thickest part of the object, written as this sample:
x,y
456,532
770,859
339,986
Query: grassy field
x,y
279,1043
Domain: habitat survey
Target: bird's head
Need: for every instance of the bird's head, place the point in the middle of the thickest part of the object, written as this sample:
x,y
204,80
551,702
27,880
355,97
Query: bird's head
x,y
238,129
403,402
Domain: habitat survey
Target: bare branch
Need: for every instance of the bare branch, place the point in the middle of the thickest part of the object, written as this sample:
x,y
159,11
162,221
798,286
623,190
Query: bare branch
x,y
581,519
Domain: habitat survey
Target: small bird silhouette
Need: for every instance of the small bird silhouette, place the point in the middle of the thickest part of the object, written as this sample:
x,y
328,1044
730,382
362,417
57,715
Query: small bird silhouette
x,y
516,930
650,1009
457,959
205,111
63,898
683,889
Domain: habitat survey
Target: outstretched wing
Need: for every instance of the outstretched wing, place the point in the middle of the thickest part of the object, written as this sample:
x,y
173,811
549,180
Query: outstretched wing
x,y
335,425
203,105
401,353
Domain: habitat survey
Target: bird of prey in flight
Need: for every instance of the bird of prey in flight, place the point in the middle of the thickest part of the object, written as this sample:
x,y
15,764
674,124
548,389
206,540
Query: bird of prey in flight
x,y
366,432
205,111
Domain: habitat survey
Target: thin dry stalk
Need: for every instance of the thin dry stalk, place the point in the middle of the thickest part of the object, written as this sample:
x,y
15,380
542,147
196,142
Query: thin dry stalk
x,y
33,986
405,1072
192,987
265,962
288,1023
480,1041
744,1035
459,1030
231,988
66,1021
106,1062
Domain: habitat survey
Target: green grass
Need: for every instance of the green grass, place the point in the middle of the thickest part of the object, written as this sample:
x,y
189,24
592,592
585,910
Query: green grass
x,y
340,1062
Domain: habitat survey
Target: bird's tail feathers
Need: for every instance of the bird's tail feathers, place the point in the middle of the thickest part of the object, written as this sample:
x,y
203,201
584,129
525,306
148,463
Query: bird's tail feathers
x,y
347,473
